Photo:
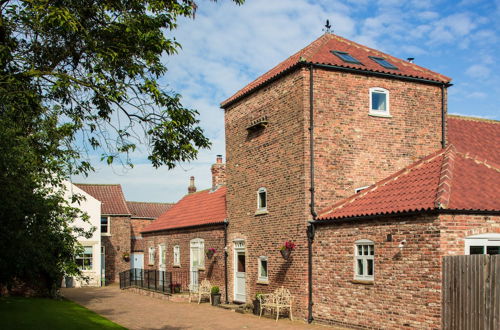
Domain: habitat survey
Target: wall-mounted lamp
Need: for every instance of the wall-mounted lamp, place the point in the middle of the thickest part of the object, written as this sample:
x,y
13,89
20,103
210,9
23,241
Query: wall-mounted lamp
x,y
402,244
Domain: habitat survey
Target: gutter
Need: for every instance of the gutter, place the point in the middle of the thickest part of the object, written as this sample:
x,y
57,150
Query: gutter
x,y
185,227
443,119
226,224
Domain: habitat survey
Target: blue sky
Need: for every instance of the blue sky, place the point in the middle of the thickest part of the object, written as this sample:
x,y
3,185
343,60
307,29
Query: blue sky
x,y
227,46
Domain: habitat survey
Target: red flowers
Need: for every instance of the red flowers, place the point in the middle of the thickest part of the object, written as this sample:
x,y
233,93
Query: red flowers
x,y
288,246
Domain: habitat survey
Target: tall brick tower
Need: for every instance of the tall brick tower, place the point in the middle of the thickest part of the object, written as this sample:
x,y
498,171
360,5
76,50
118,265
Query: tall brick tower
x,y
332,118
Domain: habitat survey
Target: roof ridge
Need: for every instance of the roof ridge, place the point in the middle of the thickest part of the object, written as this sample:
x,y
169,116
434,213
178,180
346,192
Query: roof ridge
x,y
382,182
167,203
97,184
480,161
471,118
443,191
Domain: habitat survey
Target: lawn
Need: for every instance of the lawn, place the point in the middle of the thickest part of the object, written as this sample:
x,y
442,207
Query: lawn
x,y
37,313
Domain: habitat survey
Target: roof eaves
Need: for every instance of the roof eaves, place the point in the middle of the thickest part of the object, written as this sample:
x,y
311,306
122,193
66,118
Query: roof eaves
x,y
374,216
184,227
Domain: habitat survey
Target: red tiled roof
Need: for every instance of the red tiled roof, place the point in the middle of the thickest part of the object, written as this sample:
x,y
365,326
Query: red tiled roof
x,y
148,210
199,208
448,179
476,136
110,195
319,52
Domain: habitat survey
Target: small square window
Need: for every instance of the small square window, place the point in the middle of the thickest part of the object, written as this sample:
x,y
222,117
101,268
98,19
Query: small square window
x,y
383,62
379,102
84,260
364,260
262,269
105,225
346,57
261,201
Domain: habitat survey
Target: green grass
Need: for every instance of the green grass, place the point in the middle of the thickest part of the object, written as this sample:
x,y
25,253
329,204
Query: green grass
x,y
38,313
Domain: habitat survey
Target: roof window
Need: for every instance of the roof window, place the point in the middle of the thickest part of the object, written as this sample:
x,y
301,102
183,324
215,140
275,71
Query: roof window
x,y
345,57
383,62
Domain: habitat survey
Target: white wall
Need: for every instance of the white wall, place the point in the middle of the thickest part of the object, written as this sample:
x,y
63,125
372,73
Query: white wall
x,y
92,207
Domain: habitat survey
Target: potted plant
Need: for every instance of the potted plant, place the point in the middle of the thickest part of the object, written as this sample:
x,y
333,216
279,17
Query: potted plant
x,y
256,303
215,292
126,256
286,249
175,287
210,252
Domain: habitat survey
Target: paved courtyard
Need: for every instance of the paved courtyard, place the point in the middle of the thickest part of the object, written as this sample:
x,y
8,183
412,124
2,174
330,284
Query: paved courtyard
x,y
134,311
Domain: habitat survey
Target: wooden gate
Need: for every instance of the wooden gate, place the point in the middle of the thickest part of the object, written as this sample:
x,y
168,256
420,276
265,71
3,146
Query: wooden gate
x,y
471,292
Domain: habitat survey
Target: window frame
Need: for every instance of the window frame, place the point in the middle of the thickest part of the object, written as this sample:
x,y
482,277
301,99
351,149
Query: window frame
x,y
84,256
177,255
376,112
484,240
151,255
162,255
199,245
380,61
260,278
364,258
108,226
262,209
340,54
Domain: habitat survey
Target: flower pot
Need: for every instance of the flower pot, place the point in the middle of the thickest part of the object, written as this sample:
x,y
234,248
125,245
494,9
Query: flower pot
x,y
285,253
210,254
215,299
256,307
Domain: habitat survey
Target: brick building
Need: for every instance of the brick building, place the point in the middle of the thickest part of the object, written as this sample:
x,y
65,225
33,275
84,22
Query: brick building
x,y
120,226
332,119
178,240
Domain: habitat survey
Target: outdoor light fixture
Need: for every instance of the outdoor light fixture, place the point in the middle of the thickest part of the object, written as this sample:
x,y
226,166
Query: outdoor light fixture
x,y
402,244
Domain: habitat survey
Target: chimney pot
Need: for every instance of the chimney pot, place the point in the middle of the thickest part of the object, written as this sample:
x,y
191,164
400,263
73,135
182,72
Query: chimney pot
x,y
219,159
192,187
411,59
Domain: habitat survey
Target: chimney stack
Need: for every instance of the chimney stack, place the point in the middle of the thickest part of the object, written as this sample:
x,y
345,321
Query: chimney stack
x,y
192,187
218,173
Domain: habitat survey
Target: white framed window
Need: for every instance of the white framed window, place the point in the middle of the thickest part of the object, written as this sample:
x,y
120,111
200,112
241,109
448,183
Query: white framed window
x,y
105,226
162,255
84,260
364,260
262,200
483,244
177,255
151,255
197,253
262,269
379,102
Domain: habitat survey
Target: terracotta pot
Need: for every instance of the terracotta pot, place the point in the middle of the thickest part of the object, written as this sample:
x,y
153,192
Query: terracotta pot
x,y
285,253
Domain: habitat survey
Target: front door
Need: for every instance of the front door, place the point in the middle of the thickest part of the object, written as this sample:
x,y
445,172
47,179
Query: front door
x,y
239,271
137,264
196,255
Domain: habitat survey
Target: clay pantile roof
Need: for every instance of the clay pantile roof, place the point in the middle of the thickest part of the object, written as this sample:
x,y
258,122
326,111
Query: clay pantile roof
x,y
447,179
199,208
148,210
475,136
110,195
320,52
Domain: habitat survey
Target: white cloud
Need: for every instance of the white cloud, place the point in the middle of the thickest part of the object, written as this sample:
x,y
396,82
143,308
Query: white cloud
x,y
478,71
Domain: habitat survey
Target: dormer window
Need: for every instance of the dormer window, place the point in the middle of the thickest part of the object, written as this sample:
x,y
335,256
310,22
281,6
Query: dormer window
x,y
379,102
345,57
261,201
383,62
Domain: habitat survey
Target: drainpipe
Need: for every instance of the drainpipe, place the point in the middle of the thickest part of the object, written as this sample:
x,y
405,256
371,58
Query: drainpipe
x,y
310,227
226,223
310,239
443,119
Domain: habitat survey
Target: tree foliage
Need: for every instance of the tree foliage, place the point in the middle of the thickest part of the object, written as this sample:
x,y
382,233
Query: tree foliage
x,y
78,76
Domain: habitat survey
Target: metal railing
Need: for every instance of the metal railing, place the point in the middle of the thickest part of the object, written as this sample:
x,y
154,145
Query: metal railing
x,y
160,281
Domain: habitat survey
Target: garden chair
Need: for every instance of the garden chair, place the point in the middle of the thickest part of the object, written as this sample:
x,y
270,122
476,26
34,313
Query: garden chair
x,y
280,299
202,290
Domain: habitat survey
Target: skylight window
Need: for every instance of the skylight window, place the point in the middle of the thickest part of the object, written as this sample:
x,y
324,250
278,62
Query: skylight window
x,y
383,62
346,57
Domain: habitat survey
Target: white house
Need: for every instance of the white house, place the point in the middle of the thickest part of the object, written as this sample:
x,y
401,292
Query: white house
x,y
90,261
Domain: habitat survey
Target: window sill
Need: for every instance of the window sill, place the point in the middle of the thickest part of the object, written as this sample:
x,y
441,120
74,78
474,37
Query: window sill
x,y
374,114
261,212
264,282
201,268
364,282
105,234
176,266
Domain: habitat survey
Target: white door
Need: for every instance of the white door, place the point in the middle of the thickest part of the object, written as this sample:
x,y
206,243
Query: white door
x,y
196,261
137,264
239,271
162,255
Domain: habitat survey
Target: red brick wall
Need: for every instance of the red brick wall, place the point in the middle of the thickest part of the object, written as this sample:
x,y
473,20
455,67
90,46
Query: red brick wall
x,y
213,237
455,227
272,158
115,246
405,292
137,225
352,149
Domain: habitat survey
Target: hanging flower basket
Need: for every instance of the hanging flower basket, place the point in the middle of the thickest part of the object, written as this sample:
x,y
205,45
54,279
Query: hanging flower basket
x,y
286,249
126,257
210,253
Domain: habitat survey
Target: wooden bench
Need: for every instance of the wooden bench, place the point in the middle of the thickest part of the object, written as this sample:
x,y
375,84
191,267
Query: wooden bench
x,y
280,299
201,290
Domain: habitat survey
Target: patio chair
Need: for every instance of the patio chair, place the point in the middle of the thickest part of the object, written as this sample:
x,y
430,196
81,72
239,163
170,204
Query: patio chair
x,y
202,290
